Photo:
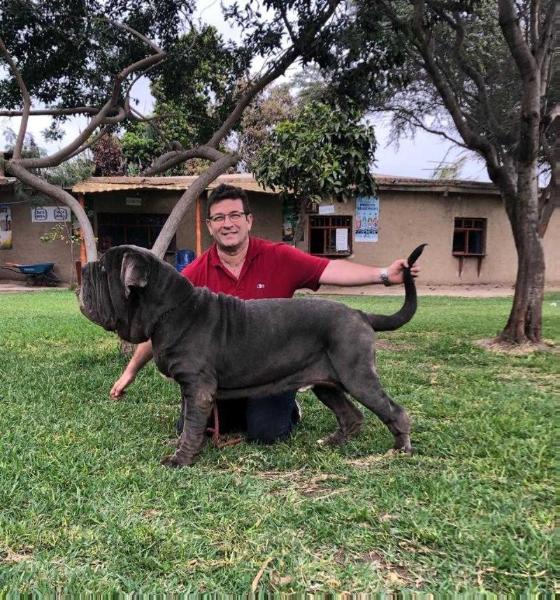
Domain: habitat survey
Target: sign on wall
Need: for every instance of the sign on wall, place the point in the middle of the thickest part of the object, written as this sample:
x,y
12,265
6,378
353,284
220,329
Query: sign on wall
x,y
290,216
5,227
50,214
366,228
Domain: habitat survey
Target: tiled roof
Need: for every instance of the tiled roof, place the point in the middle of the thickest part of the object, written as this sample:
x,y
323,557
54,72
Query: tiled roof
x,y
248,183
114,184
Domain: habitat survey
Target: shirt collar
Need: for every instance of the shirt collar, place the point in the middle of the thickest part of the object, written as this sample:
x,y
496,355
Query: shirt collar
x,y
255,248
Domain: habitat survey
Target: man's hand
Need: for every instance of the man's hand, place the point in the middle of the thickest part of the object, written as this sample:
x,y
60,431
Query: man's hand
x,y
395,271
121,384
141,356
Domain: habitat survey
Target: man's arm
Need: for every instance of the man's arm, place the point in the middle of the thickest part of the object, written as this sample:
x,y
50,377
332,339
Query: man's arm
x,y
346,273
141,356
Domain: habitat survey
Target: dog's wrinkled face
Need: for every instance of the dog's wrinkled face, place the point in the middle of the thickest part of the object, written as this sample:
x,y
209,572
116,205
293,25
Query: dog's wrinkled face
x,y
109,295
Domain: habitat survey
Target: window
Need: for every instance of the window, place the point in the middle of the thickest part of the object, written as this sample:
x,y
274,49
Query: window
x,y
114,229
330,235
469,237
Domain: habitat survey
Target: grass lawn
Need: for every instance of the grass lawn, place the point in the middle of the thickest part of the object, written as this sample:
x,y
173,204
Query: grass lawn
x,y
85,505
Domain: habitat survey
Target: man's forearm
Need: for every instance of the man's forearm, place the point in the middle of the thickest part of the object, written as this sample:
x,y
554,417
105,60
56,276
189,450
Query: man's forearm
x,y
344,272
142,355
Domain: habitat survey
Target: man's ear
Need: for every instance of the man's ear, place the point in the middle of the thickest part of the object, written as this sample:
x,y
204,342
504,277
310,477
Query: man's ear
x,y
134,271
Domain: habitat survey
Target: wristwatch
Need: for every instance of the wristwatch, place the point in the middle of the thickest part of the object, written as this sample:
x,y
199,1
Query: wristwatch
x,y
385,277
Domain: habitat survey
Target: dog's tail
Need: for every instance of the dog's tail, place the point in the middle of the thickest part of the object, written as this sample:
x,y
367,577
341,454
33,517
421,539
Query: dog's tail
x,y
398,319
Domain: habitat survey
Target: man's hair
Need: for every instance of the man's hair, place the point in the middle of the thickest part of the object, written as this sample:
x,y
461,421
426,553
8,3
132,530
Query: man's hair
x,y
228,192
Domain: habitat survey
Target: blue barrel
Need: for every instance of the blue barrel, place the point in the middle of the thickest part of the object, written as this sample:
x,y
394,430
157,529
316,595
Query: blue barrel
x,y
183,258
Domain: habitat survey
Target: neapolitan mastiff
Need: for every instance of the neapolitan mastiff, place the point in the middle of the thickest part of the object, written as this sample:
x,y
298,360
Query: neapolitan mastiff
x,y
217,346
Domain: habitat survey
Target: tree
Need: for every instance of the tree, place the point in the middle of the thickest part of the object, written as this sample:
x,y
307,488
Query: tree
x,y
108,156
268,110
324,152
478,74
66,56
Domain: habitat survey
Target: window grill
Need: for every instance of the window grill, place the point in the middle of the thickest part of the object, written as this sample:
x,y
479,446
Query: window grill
x,y
323,232
469,237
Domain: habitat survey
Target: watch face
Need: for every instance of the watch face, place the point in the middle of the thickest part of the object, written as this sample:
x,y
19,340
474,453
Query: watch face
x,y
385,278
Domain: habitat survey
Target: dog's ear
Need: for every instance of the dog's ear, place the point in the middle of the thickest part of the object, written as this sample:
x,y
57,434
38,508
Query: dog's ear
x,y
134,271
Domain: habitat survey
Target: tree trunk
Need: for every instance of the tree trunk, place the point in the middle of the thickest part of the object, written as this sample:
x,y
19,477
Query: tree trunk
x,y
525,320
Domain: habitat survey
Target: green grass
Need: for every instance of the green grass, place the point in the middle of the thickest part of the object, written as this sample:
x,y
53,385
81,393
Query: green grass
x,y
85,505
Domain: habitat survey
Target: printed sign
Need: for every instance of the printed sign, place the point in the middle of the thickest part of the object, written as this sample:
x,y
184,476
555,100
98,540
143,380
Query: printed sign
x,y
367,219
5,227
341,240
326,209
51,214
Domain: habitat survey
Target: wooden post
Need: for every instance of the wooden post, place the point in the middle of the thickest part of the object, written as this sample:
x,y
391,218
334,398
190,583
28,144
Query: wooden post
x,y
198,227
83,256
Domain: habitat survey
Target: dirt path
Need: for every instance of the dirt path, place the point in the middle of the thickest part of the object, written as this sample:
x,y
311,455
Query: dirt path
x,y
468,291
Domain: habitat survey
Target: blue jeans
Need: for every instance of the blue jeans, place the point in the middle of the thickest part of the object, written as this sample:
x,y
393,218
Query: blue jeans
x,y
266,420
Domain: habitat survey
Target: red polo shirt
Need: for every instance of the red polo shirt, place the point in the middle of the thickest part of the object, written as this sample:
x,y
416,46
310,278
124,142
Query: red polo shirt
x,y
270,270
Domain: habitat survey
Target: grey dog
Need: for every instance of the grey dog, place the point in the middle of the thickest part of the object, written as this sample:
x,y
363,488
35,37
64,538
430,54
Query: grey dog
x,y
217,346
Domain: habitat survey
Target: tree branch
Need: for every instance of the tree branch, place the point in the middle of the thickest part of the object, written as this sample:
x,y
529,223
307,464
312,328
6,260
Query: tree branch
x,y
57,193
543,47
171,159
137,34
190,195
100,118
25,98
77,110
271,74
413,118
472,139
91,142
509,23
288,25
478,80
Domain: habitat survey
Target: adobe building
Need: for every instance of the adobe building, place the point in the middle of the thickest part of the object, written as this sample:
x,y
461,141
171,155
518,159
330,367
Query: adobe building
x,y
464,223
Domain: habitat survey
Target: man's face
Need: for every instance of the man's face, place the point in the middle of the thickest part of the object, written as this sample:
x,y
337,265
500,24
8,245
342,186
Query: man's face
x,y
229,233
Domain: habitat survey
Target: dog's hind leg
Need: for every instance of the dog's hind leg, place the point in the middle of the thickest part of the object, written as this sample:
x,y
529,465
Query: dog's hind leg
x,y
349,417
197,406
364,386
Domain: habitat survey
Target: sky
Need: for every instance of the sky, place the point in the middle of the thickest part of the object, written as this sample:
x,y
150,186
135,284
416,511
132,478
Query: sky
x,y
417,157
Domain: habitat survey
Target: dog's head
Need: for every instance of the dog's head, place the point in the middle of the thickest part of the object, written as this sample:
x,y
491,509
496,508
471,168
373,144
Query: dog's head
x,y
128,290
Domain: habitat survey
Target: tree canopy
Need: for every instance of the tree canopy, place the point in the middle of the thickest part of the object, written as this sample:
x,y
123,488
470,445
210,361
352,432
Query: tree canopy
x,y
324,152
68,51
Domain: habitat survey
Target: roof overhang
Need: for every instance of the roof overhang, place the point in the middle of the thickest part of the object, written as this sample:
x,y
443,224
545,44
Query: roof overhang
x,y
96,185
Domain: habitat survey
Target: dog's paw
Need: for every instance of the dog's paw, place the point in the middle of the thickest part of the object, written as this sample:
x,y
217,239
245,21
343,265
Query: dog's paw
x,y
403,445
334,439
175,462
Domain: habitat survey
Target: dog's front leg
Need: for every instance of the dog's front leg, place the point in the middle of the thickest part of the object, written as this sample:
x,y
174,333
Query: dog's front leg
x,y
197,407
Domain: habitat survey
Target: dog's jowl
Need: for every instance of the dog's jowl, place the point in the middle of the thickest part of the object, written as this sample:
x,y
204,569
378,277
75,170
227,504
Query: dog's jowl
x,y
217,346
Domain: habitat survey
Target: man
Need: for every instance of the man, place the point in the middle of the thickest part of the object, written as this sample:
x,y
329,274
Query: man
x,y
252,268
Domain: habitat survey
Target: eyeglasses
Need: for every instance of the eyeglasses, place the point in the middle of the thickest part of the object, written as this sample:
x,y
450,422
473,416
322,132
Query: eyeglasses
x,y
234,217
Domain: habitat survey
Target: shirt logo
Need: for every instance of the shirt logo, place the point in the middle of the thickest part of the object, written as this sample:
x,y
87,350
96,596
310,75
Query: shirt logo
x,y
260,286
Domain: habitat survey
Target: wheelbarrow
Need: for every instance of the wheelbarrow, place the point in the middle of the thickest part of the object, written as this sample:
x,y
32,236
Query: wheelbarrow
x,y
38,274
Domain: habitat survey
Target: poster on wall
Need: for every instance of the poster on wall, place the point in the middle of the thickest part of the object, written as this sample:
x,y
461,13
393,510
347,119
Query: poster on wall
x,y
50,214
5,227
290,215
367,219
